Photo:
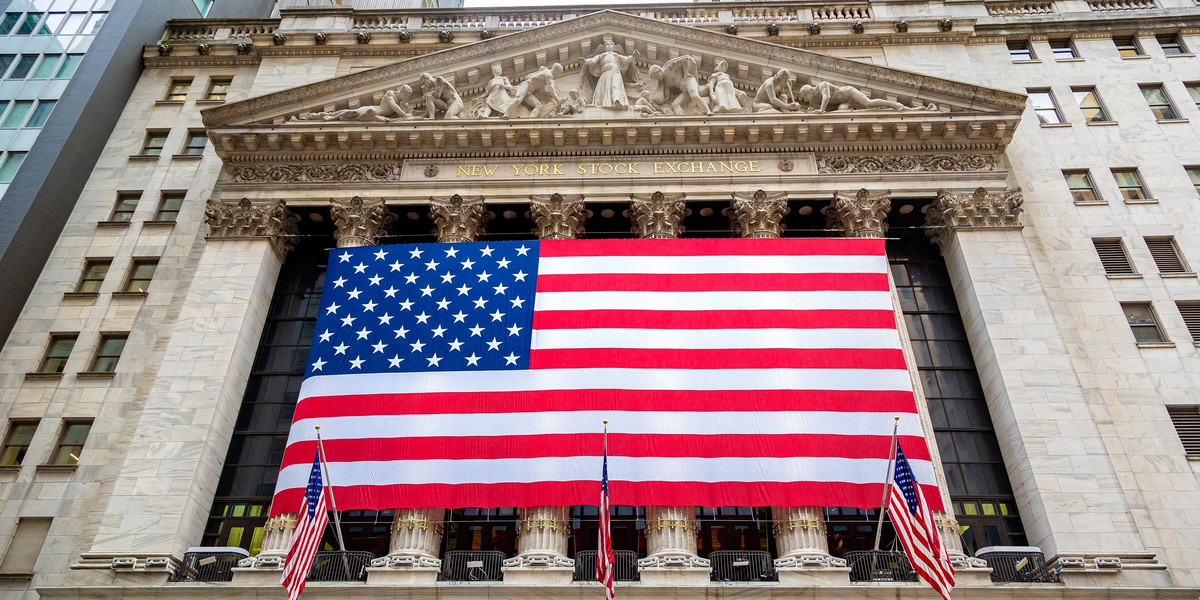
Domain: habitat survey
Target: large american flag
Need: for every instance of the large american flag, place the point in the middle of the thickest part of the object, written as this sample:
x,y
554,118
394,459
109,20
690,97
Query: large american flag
x,y
916,529
310,528
732,372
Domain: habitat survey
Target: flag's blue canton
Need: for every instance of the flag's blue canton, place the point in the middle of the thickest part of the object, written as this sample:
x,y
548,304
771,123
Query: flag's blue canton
x,y
904,478
312,494
426,307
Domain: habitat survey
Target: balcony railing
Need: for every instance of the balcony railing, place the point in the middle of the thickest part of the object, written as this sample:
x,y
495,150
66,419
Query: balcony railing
x,y
1018,564
208,564
742,565
879,565
626,568
340,566
470,565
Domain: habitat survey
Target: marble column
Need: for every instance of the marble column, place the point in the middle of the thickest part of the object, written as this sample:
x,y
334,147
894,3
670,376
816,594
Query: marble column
x,y
359,222
758,214
544,531
458,219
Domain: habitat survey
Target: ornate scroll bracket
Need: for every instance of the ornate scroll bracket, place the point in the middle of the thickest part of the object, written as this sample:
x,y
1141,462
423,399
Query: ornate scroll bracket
x,y
539,560
979,210
657,215
359,222
759,214
406,561
558,217
248,220
810,561
674,561
458,219
862,215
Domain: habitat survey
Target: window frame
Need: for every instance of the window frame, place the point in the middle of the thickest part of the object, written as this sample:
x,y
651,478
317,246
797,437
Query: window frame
x,y
41,528
213,83
1104,251
1164,111
118,207
1193,173
148,146
49,364
162,212
1142,193
1193,90
133,281
1039,110
56,458
99,356
1173,41
1021,51
189,149
1131,49
178,89
1189,311
1067,44
1155,323
87,277
1100,107
1167,242
17,159
22,450
1077,191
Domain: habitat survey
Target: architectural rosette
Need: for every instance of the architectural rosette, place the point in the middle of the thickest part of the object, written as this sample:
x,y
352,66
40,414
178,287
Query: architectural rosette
x,y
558,217
250,220
759,214
458,219
359,222
657,215
862,215
979,210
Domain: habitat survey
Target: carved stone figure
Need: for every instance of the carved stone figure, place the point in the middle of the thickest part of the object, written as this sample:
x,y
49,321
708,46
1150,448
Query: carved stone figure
x,y
538,92
723,97
679,87
396,104
644,105
605,76
573,104
499,94
776,94
822,95
440,97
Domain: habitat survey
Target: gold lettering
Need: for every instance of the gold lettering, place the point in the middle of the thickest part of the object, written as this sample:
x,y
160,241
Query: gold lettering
x,y
633,169
606,168
726,166
657,168
739,166
697,167
516,169
754,166
462,172
558,170
543,169
581,170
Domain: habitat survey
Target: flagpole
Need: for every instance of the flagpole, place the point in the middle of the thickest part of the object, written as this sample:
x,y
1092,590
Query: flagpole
x,y
887,476
337,521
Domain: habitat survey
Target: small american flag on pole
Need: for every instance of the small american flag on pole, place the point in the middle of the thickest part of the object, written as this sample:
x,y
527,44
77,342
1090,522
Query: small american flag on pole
x,y
604,558
916,529
309,530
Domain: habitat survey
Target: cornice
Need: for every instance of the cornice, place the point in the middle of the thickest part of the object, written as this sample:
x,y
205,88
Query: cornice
x,y
1089,24
200,61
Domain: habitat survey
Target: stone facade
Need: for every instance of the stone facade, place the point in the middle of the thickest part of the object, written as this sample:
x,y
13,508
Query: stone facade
x,y
1102,481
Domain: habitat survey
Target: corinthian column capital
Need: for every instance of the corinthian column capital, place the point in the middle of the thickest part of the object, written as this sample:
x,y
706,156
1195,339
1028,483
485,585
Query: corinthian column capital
x,y
359,222
759,214
862,215
458,219
979,210
657,215
271,221
558,217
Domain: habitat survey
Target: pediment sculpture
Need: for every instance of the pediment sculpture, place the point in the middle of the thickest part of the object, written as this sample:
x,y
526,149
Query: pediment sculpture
x,y
611,81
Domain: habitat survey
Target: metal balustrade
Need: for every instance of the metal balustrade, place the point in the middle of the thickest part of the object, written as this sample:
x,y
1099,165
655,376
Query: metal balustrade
x,y
1018,564
625,563
207,564
742,565
472,565
879,565
340,566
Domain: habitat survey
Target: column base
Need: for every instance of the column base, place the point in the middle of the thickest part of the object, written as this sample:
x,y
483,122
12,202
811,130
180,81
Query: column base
x,y
673,576
972,576
538,575
813,575
251,576
402,576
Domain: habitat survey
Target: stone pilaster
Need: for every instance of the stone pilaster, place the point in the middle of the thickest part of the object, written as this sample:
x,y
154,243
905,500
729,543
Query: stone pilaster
x,y
863,215
458,219
359,222
671,538
246,220
657,215
759,214
541,558
803,546
979,210
413,551
558,217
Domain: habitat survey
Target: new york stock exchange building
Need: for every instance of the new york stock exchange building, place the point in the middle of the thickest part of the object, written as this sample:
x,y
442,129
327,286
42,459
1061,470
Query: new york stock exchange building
x,y
1031,168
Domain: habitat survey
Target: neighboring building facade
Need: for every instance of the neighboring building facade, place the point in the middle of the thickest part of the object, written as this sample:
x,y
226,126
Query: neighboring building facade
x,y
1034,166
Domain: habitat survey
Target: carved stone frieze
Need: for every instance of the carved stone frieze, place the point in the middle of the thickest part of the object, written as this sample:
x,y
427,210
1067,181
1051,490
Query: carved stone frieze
x,y
979,210
458,219
862,215
657,215
906,163
759,214
359,222
558,217
271,221
315,173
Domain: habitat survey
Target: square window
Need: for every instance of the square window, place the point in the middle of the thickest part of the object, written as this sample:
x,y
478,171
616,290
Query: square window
x,y
1089,105
1193,90
68,66
1062,48
1130,183
94,272
1080,184
155,141
1020,50
1044,107
20,433
6,61
194,146
12,162
29,25
23,66
140,273
126,204
218,89
1171,44
1143,322
109,352
58,352
40,114
47,67
179,89
1127,45
1160,104
70,442
1194,175
16,114
9,21
168,206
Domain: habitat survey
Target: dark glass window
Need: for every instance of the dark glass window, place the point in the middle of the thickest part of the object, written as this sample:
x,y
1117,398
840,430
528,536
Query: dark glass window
x,y
94,271
168,206
8,22
24,65
140,273
1062,48
20,433
196,140
155,140
70,443
109,353
1127,45
126,204
40,114
484,529
58,352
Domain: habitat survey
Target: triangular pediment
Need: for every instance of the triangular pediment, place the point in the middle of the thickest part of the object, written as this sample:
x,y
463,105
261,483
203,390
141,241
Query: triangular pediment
x,y
865,102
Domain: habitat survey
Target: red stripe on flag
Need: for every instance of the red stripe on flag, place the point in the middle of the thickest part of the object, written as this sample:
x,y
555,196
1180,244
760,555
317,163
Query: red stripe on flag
x,y
719,282
713,247
715,319
773,358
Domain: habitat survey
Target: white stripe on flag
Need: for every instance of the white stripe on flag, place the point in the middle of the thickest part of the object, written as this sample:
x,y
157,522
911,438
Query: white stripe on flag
x,y
676,265
715,339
